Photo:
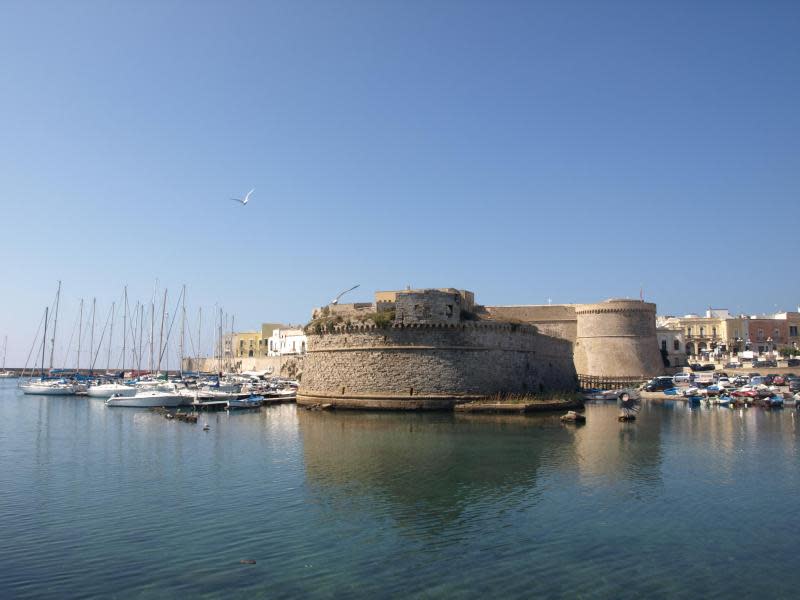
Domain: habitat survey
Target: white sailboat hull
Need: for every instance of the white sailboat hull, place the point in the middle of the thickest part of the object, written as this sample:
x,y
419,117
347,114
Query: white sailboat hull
x,y
148,400
108,390
43,389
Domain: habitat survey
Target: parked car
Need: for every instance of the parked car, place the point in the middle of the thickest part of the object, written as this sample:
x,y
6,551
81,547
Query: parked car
x,y
794,385
758,380
733,365
754,374
699,367
769,379
718,374
778,380
683,378
659,383
793,362
741,380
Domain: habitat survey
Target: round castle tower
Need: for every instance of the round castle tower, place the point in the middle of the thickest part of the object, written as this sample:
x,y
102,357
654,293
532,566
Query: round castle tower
x,y
616,342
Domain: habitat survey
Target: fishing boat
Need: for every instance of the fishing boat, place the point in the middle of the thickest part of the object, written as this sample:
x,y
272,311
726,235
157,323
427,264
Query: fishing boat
x,y
106,390
148,399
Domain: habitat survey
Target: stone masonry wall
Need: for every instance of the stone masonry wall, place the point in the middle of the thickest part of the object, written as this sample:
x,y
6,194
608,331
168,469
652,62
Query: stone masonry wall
x,y
447,361
617,339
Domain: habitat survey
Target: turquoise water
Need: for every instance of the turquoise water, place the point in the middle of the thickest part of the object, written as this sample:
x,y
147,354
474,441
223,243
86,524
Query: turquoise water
x,y
102,502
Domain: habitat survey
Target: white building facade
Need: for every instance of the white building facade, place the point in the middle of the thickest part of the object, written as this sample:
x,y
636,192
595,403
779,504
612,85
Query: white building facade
x,y
287,341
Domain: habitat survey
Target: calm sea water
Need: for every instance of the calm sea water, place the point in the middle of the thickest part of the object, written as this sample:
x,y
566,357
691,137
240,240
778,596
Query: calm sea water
x,y
102,502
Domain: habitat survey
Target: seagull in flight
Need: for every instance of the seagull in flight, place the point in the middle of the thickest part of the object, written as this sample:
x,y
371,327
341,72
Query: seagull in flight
x,y
246,198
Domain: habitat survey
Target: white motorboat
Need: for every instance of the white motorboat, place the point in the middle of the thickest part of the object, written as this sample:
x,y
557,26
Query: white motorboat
x,y
106,390
148,399
7,375
48,388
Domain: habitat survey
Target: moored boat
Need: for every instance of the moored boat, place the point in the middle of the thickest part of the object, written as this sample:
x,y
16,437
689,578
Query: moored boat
x,y
249,402
48,388
106,390
148,399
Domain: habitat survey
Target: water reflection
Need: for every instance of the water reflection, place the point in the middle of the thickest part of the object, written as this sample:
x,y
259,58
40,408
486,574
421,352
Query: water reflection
x,y
427,465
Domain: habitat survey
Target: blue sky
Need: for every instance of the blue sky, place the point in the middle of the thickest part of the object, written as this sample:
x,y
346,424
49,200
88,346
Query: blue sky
x,y
524,150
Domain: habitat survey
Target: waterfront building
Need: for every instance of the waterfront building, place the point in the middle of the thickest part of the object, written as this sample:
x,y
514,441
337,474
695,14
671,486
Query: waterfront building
x,y
672,344
716,332
285,342
246,343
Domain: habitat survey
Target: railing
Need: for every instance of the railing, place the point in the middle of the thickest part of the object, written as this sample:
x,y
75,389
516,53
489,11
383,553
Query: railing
x,y
588,382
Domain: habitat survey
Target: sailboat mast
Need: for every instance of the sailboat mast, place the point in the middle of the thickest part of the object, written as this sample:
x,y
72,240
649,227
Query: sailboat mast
x,y
5,348
110,335
199,331
183,330
221,348
91,338
80,334
124,327
141,325
44,338
161,333
55,324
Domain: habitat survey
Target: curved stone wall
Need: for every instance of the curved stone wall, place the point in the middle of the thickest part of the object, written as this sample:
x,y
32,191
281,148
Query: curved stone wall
x,y
431,366
616,341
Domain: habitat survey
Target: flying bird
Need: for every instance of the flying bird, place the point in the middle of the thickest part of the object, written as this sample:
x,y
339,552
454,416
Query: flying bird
x,y
246,198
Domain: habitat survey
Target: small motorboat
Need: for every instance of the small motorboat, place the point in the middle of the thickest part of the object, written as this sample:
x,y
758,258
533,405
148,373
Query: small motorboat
x,y
249,402
672,391
774,402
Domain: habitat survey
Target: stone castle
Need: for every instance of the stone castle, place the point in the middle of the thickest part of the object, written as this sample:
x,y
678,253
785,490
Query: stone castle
x,y
431,348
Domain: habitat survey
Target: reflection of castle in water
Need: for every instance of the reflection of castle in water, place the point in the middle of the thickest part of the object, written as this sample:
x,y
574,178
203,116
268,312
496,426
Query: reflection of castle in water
x,y
608,449
437,465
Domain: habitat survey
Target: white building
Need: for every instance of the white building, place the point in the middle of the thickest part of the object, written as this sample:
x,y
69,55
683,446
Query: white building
x,y
286,341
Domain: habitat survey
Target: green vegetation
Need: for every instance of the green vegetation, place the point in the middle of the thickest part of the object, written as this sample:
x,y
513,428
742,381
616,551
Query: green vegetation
x,y
565,397
787,351
382,319
323,324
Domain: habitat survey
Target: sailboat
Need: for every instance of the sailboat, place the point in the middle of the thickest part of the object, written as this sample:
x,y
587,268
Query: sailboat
x,y
45,387
3,373
107,390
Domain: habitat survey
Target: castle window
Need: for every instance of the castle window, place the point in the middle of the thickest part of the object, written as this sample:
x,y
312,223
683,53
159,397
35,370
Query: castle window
x,y
449,311
676,344
664,345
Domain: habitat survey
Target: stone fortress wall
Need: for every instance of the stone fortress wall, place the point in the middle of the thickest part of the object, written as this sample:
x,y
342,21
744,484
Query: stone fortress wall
x,y
431,365
617,340
431,348
428,349
614,342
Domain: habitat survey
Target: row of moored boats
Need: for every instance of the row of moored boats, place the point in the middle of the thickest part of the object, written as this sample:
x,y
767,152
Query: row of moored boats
x,y
146,392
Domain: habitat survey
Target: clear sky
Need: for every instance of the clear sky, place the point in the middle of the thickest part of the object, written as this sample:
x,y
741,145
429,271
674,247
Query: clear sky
x,y
524,150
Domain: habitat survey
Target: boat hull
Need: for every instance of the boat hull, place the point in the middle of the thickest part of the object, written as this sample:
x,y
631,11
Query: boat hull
x,y
147,401
102,391
45,390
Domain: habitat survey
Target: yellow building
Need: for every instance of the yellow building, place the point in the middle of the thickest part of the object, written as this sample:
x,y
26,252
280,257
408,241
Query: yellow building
x,y
717,331
246,343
